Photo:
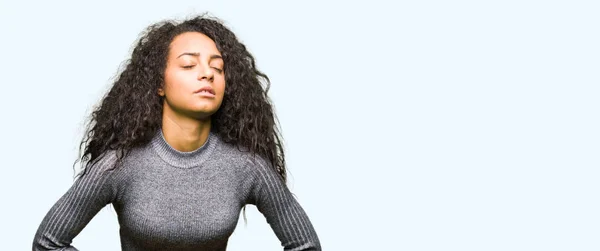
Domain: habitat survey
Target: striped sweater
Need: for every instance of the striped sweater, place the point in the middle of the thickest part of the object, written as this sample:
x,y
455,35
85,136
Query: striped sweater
x,y
166,199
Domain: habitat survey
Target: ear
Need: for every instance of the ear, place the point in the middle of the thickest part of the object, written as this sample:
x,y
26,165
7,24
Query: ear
x,y
161,92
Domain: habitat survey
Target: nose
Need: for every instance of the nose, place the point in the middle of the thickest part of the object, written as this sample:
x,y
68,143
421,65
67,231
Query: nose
x,y
205,73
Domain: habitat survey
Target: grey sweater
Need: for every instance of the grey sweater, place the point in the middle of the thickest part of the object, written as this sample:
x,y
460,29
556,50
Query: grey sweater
x,y
166,199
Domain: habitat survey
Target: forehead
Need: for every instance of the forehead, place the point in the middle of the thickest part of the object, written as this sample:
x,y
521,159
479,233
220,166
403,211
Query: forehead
x,y
193,42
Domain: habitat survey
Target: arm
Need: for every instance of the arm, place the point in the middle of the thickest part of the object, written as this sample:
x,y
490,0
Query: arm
x,y
73,211
281,210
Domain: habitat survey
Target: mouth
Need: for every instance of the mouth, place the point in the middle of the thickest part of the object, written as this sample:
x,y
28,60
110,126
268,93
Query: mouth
x,y
205,90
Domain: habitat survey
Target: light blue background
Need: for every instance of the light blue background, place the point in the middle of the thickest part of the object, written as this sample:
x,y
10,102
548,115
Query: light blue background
x,y
409,125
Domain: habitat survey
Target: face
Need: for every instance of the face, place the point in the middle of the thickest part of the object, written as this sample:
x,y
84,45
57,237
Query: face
x,y
194,77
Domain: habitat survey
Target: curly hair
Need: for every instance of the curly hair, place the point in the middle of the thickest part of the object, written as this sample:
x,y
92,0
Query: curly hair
x,y
131,111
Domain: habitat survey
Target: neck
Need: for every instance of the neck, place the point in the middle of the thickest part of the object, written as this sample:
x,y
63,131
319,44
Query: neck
x,y
183,133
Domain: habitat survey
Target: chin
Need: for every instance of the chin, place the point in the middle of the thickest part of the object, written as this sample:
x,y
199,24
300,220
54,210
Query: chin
x,y
203,113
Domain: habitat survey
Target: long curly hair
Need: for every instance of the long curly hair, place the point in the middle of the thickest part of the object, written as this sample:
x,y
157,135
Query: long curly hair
x,y
131,111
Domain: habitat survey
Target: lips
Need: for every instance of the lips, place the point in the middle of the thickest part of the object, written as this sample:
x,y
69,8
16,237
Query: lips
x,y
206,89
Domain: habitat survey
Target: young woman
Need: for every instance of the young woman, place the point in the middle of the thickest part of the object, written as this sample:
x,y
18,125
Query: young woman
x,y
184,139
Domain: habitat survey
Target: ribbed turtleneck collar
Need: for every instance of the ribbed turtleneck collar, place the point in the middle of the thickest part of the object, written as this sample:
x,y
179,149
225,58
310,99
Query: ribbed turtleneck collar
x,y
182,159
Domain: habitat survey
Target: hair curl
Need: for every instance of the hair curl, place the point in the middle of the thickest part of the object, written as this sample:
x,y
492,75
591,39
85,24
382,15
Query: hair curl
x,y
131,111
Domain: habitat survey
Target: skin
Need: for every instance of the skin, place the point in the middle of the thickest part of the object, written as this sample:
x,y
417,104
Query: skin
x,y
193,62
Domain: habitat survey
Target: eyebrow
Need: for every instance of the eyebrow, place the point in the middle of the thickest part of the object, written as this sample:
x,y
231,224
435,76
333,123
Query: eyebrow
x,y
213,56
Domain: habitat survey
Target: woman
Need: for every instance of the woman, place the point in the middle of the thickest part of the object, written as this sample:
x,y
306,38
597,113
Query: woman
x,y
183,140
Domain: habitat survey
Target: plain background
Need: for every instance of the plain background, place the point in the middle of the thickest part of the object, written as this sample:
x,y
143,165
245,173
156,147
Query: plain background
x,y
409,125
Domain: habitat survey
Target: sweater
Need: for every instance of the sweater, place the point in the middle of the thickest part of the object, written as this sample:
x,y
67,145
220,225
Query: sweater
x,y
166,199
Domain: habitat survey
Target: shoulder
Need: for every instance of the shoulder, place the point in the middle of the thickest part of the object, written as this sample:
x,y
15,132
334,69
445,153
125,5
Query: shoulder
x,y
230,153
257,162
254,165
262,170
102,165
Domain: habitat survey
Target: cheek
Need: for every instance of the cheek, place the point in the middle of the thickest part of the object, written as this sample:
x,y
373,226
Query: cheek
x,y
178,82
220,85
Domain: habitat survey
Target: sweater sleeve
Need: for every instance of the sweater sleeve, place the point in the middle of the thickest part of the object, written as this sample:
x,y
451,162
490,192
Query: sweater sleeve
x,y
282,211
88,194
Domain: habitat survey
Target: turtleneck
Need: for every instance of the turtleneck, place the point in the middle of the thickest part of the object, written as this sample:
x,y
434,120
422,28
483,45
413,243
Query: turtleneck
x,y
189,201
179,158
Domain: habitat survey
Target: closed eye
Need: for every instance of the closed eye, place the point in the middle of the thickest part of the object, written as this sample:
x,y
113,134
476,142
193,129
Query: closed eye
x,y
192,66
